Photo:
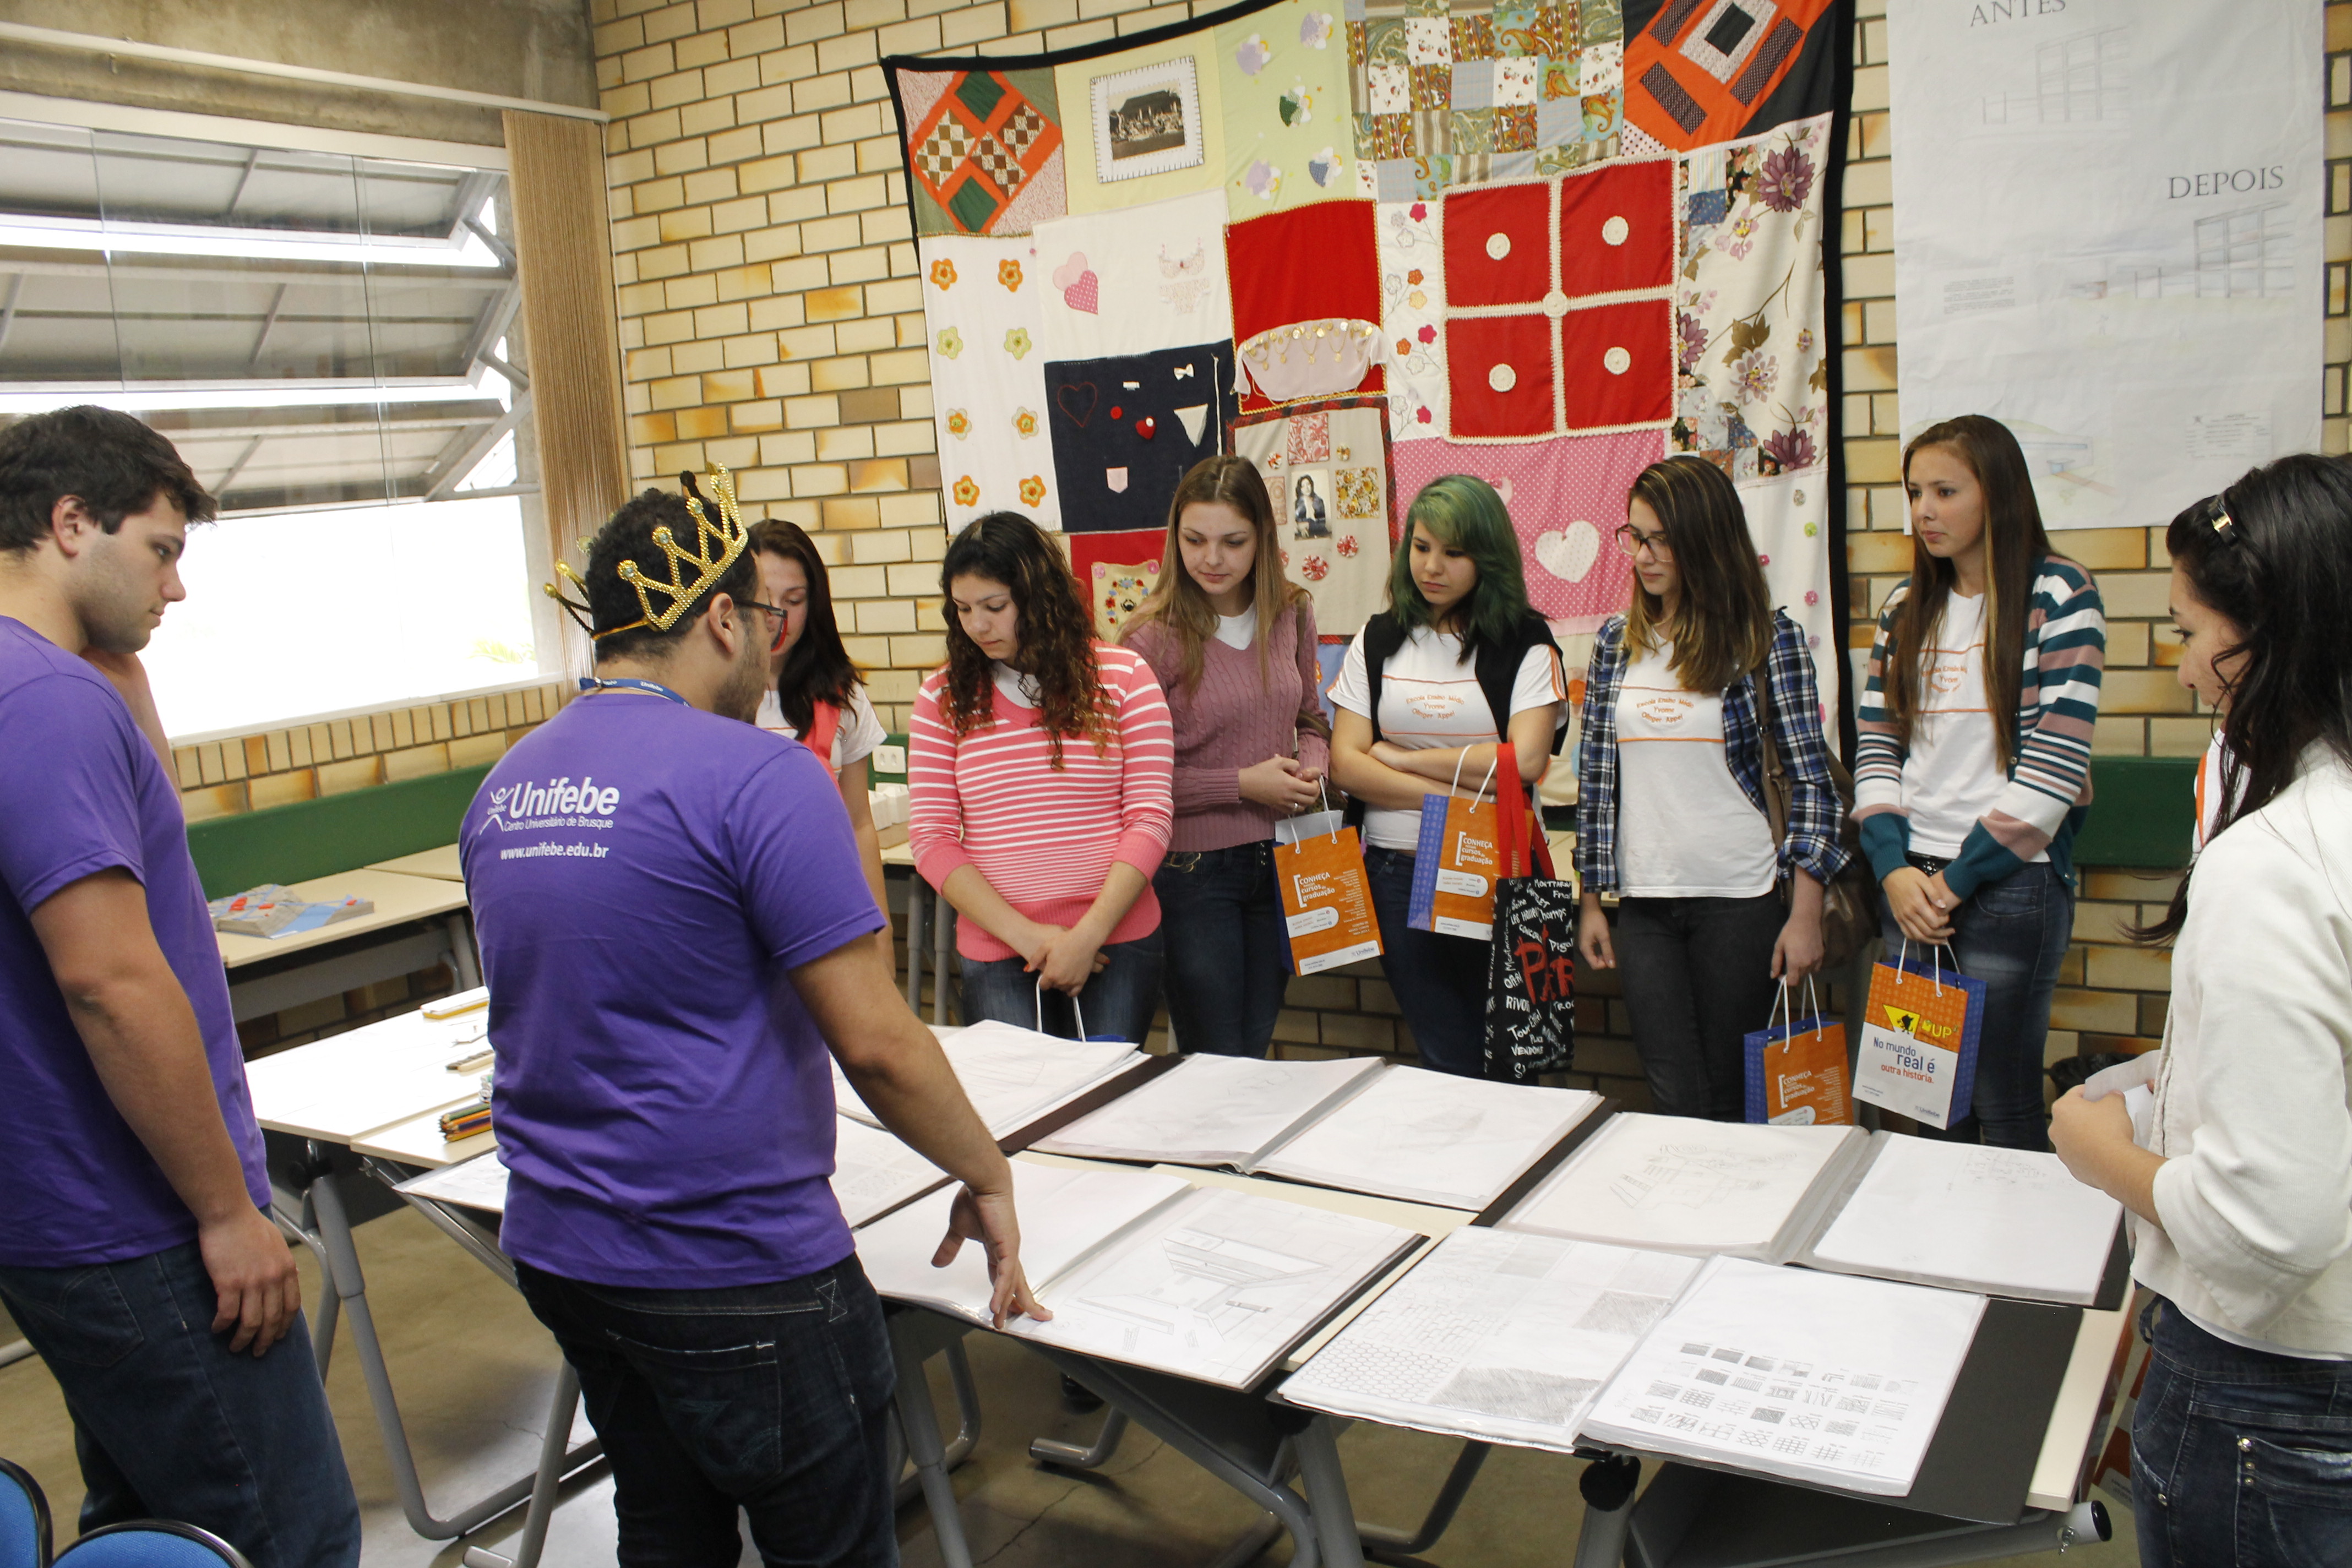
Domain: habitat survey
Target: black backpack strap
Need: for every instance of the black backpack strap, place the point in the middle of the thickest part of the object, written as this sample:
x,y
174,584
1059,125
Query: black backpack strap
x,y
1498,672
1382,636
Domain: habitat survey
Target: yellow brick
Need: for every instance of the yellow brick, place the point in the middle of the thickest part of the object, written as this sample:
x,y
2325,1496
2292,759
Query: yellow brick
x,y
358,773
878,474
2142,691
648,429
729,386
676,391
840,443
834,304
473,750
748,418
2099,1012
701,424
2105,548
808,412
281,789
838,375
775,382
1877,551
416,763
217,800
2131,969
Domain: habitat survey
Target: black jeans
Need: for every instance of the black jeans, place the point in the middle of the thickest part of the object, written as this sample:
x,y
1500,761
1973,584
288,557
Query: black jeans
x,y
1228,953
2240,1459
168,1423
1697,977
773,1398
1440,981
2012,935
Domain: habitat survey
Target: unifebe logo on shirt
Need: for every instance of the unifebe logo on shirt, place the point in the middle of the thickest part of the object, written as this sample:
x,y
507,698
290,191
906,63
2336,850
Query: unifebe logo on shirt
x,y
558,803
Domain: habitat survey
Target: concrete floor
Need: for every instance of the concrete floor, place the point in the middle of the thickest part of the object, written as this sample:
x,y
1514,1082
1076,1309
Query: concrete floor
x,y
474,1370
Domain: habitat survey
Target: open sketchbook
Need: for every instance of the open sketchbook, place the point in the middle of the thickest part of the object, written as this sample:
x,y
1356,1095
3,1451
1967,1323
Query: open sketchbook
x,y
1823,1378
2009,1221
1495,1337
1012,1076
873,1174
1356,1123
1201,1282
1674,1183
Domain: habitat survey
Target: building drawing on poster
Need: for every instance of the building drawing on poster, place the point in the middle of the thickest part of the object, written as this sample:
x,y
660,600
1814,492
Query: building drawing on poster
x,y
2096,245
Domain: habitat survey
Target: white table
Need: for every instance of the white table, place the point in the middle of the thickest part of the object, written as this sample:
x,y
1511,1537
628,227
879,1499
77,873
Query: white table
x,y
342,963
440,863
923,905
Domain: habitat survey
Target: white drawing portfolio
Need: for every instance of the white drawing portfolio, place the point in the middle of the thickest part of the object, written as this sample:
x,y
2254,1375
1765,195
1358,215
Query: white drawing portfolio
x,y
1012,1076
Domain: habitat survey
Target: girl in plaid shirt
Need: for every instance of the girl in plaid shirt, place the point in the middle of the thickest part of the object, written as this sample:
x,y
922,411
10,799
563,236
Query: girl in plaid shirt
x,y
1671,810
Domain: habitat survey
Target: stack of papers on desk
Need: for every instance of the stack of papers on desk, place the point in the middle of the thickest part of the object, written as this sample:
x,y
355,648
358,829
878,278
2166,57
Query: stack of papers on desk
x,y
480,1183
2008,1222
1356,1123
1678,1185
874,1173
1823,1378
1495,1337
1012,1076
1138,1267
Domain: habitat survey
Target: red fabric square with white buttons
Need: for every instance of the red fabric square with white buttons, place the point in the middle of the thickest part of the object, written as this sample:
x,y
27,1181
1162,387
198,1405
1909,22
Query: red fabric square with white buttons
x,y
1617,363
1498,375
1499,245
1616,229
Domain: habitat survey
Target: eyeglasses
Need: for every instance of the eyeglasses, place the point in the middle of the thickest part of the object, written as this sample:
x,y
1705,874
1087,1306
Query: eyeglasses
x,y
784,619
1630,542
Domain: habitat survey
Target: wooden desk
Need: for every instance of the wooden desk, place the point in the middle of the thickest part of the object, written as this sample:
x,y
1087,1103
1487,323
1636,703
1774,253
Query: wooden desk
x,y
344,960
440,864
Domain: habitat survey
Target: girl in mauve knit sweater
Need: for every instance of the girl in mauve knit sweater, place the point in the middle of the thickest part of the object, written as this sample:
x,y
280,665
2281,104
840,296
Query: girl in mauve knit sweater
x,y
1232,642
1038,763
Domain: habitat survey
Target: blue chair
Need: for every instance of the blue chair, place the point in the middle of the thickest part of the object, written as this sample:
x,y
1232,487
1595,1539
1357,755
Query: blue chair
x,y
152,1543
23,1519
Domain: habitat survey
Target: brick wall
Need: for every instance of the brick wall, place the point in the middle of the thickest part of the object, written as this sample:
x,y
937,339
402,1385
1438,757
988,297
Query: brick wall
x,y
772,320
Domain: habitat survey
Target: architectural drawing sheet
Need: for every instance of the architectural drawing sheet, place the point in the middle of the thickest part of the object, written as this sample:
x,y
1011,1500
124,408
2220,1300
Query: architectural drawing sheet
x,y
480,1183
1431,1138
874,1173
1684,1186
1826,1378
1495,1337
1012,1076
1211,1110
1215,1287
2008,1221
1064,1212
2108,235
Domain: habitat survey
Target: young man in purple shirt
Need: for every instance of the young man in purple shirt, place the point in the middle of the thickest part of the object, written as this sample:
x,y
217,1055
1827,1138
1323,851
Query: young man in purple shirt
x,y
675,931
134,1252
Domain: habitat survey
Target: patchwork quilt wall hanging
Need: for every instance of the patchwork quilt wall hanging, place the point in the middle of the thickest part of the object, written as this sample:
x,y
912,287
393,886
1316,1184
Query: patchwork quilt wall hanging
x,y
1365,243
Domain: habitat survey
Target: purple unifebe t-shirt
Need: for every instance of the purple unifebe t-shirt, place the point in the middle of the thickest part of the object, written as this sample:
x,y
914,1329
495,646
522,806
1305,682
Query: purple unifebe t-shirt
x,y
82,792
642,876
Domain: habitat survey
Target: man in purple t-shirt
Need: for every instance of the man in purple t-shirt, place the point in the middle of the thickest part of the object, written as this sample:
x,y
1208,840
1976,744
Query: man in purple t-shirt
x,y
675,931
133,1249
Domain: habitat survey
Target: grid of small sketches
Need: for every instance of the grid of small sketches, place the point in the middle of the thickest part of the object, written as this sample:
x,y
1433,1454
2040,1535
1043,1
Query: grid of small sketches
x,y
1825,1378
874,1173
1431,1138
1495,1337
1066,1212
1212,1111
2009,1221
480,1183
1012,1076
1684,1185
1215,1287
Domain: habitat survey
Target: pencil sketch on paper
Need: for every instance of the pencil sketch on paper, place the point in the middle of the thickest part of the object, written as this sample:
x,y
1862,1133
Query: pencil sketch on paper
x,y
1695,1177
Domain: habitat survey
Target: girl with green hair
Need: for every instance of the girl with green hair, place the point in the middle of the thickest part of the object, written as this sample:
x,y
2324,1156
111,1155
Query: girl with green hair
x,y
1429,688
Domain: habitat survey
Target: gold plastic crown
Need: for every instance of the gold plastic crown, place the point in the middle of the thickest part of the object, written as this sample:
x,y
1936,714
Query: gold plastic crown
x,y
718,544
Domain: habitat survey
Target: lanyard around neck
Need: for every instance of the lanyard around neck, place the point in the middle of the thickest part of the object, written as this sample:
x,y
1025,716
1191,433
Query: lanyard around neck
x,y
629,683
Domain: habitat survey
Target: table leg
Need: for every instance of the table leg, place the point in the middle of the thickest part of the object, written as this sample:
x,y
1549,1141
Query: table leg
x,y
462,956
918,896
552,1455
921,1425
350,1286
1070,1457
1327,1494
1608,1485
942,940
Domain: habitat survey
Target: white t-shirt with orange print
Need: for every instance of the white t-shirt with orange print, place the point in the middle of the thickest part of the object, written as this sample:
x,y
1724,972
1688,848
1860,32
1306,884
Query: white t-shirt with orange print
x,y
1430,698
1953,774
1685,827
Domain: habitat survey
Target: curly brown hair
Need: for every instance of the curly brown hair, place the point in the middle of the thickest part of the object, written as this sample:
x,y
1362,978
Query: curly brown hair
x,y
1056,636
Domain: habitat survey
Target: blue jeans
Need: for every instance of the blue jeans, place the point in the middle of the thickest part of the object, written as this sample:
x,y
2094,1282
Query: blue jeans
x,y
168,1424
2012,935
772,1398
1228,953
1698,976
2240,1459
1118,1002
1440,981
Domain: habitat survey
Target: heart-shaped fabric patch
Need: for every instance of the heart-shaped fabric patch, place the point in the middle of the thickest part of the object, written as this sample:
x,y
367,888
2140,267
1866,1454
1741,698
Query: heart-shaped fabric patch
x,y
1077,400
1146,425
1569,553
1081,289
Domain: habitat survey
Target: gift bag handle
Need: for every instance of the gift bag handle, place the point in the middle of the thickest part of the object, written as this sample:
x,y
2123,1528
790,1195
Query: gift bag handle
x,y
1078,1012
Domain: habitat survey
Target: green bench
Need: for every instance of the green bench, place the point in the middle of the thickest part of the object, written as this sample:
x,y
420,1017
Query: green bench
x,y
333,833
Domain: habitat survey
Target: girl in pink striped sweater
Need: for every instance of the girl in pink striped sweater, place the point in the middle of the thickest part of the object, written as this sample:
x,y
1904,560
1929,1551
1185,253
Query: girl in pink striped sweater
x,y
1038,761
1233,644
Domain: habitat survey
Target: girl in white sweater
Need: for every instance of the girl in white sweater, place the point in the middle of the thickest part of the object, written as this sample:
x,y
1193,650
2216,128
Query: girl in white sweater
x,y
2240,1172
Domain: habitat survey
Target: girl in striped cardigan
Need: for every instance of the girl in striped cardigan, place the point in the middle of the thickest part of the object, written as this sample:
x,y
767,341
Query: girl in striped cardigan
x,y
1973,771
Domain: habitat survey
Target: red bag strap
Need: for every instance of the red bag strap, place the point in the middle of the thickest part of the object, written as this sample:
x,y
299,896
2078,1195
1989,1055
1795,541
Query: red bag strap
x,y
1511,814
823,723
